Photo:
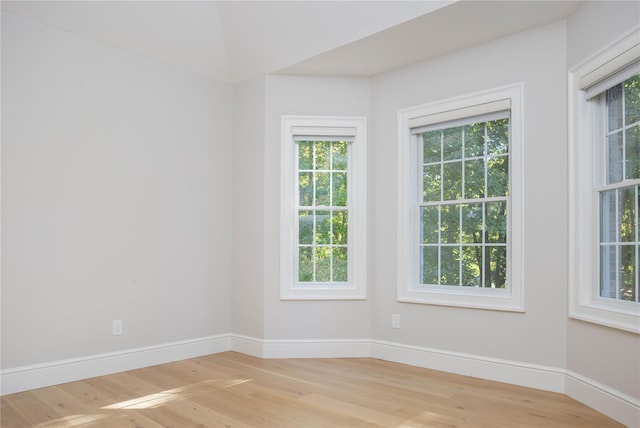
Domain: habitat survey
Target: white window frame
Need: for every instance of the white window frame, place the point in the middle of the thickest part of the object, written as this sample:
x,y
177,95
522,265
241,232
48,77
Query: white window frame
x,y
356,287
585,164
508,299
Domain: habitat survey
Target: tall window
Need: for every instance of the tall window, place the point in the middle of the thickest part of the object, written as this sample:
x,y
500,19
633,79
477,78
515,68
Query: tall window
x,y
323,214
460,204
604,186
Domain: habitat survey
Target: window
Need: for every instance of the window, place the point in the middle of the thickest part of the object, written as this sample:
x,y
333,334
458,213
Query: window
x,y
460,204
323,212
605,181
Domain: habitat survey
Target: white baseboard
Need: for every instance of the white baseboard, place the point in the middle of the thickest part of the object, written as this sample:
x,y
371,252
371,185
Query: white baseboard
x,y
317,348
247,345
57,372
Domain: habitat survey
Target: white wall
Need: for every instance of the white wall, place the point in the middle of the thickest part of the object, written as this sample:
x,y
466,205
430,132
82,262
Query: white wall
x,y
536,58
609,356
116,190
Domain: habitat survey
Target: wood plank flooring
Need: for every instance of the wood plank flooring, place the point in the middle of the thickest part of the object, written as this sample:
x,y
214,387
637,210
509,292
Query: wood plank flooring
x,y
235,390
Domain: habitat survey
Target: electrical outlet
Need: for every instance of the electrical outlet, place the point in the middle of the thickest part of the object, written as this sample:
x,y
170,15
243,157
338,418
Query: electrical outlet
x,y
117,327
395,321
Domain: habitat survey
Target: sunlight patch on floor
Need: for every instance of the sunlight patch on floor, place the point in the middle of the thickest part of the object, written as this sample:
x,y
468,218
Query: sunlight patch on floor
x,y
71,421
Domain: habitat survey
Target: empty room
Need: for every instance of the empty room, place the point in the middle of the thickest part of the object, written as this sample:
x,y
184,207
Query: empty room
x,y
320,214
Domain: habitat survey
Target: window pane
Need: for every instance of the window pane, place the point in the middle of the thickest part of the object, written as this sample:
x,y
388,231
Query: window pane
x,y
498,176
305,264
429,265
431,183
449,265
496,222
323,227
452,143
614,158
627,201
450,224
339,187
452,180
305,227
340,265
474,140
322,189
474,179
608,271
472,223
628,272
632,99
305,188
305,155
323,264
323,155
431,143
498,137
472,266
614,108
496,267
430,224
632,152
339,153
608,223
340,227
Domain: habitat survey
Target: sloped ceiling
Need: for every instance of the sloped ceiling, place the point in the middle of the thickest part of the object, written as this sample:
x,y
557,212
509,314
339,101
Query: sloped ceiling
x,y
233,41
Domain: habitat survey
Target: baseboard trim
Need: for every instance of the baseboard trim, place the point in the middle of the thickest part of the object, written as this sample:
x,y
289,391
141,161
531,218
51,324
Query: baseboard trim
x,y
317,348
40,375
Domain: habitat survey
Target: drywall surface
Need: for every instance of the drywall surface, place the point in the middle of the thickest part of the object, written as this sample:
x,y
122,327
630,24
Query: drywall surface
x,y
536,59
292,95
603,354
116,188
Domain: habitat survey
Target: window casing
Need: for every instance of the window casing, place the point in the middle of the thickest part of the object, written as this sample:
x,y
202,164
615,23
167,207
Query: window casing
x,y
323,208
604,142
460,207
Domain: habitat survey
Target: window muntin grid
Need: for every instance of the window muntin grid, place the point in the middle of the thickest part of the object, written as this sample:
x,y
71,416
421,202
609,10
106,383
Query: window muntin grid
x,y
619,245
463,209
322,211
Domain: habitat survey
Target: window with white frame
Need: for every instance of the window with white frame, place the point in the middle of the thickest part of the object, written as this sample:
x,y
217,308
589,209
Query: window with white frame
x,y
605,181
460,204
323,210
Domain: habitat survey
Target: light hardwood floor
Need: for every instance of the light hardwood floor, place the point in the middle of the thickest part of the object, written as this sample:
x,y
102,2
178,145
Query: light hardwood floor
x,y
235,390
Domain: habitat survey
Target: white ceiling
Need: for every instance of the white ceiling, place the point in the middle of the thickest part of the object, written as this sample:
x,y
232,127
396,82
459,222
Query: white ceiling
x,y
233,41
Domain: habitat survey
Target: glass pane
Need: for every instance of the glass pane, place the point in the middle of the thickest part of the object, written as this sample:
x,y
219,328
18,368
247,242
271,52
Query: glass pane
x,y
430,224
450,224
322,189
472,223
305,188
632,100
339,184
632,153
305,155
340,227
474,179
498,137
498,176
431,143
429,265
339,152
323,264
627,200
452,180
614,108
471,266
608,271
452,143
474,140
496,274
340,265
450,265
628,272
305,264
614,158
305,227
608,223
431,183
323,227
496,222
323,155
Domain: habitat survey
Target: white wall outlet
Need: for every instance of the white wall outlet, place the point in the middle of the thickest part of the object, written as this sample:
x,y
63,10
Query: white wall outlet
x,y
395,321
117,327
